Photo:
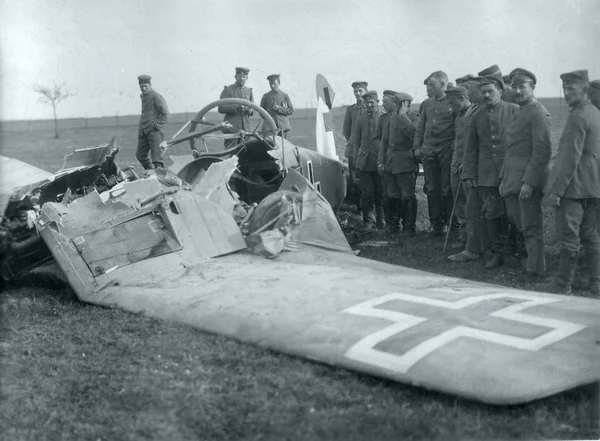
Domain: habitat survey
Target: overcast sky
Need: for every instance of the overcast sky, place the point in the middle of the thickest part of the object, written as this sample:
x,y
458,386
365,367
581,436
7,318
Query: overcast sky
x,y
191,47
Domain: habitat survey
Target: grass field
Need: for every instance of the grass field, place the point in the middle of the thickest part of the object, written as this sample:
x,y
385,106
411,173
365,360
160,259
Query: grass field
x,y
72,371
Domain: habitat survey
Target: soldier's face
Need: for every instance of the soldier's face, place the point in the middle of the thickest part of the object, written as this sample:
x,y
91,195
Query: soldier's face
x,y
522,92
458,103
474,90
574,93
358,93
274,85
388,104
145,88
240,79
371,104
490,94
435,87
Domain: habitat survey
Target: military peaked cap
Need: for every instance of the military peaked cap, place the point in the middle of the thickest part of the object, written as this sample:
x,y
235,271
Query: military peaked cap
x,y
273,77
506,79
144,79
242,70
457,91
464,79
358,84
390,93
371,94
519,75
576,77
492,70
401,96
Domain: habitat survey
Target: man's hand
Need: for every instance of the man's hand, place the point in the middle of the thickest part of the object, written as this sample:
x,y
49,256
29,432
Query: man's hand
x,y
403,109
526,190
195,154
417,154
380,169
469,183
554,200
275,108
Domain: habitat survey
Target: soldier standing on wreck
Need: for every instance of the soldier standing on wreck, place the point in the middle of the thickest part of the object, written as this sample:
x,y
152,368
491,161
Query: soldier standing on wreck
x,y
278,104
238,116
150,129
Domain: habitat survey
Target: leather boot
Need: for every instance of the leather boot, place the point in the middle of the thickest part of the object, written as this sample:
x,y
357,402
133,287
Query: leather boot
x,y
393,221
379,213
386,210
566,272
592,266
409,220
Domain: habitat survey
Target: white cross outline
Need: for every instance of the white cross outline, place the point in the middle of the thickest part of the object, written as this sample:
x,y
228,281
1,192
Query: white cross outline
x,y
365,352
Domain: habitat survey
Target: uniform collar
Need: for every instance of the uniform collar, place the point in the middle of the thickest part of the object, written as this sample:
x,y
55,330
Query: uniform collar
x,y
580,104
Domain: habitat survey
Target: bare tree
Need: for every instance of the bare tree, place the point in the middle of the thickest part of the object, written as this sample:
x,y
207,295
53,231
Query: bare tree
x,y
53,96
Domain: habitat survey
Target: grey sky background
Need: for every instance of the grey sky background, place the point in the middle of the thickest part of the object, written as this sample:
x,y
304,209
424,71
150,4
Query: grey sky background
x,y
191,47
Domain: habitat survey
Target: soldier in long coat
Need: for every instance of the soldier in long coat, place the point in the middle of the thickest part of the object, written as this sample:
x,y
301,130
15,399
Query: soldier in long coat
x,y
484,155
150,130
524,172
278,104
365,160
396,162
350,118
573,187
433,144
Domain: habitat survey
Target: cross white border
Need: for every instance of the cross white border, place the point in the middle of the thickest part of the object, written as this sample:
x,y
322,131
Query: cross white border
x,y
365,352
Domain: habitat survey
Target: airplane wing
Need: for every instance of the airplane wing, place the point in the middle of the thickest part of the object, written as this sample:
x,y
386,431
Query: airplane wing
x,y
18,175
484,342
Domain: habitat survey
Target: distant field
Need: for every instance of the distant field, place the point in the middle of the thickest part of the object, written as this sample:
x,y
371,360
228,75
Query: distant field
x,y
72,371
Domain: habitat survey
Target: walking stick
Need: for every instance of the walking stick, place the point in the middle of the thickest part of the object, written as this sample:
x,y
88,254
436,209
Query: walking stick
x,y
452,214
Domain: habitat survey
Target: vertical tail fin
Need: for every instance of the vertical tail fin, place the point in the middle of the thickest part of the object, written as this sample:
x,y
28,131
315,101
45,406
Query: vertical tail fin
x,y
324,122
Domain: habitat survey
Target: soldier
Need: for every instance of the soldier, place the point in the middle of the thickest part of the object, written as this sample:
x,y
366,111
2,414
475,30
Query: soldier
x,y
433,145
150,130
573,187
484,155
278,104
238,116
350,118
594,93
464,80
460,103
424,103
365,160
395,161
508,94
524,172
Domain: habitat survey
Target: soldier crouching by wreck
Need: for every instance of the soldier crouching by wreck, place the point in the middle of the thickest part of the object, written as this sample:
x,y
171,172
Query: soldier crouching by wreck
x,y
365,161
150,130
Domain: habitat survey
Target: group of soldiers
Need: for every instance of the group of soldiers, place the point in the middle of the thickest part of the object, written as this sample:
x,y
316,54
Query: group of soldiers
x,y
155,114
485,148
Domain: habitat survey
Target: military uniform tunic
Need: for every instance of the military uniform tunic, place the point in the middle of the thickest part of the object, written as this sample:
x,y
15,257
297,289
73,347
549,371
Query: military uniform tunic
x,y
233,112
280,116
528,151
365,161
150,129
349,129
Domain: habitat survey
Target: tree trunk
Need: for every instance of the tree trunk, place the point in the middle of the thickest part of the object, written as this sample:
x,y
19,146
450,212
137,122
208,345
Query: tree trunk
x,y
55,123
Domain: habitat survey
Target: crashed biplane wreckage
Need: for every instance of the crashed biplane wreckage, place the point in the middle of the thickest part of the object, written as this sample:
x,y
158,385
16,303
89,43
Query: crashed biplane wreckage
x,y
176,247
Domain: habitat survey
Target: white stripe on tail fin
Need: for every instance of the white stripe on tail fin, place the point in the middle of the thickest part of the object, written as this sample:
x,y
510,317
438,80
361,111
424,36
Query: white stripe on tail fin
x,y
324,123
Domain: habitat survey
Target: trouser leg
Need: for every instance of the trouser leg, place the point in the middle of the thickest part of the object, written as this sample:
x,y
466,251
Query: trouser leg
x,y
435,204
367,197
154,139
532,228
474,221
142,152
